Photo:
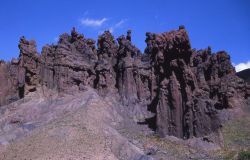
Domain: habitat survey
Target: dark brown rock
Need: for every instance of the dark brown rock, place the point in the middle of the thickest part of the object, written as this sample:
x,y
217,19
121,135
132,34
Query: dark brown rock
x,y
182,88
8,85
74,62
128,60
105,67
179,102
191,85
29,65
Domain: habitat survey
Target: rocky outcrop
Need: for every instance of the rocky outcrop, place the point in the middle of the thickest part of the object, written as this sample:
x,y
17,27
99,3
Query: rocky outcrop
x,y
224,87
105,67
29,66
182,108
9,74
73,62
127,69
183,89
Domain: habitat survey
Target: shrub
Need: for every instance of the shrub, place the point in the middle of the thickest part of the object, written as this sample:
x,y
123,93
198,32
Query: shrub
x,y
244,155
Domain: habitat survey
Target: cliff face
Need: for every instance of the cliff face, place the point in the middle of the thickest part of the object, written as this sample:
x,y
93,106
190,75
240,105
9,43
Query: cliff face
x,y
182,88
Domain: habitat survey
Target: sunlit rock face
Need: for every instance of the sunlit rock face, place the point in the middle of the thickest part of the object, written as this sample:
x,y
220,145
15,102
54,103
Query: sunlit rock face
x,y
191,85
173,88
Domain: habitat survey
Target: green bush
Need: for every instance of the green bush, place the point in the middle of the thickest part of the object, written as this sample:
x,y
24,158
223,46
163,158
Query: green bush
x,y
244,155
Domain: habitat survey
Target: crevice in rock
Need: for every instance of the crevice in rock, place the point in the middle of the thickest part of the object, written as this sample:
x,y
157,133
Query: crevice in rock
x,y
21,92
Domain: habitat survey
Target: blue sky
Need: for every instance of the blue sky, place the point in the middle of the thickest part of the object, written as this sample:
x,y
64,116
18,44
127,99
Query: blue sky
x,y
221,24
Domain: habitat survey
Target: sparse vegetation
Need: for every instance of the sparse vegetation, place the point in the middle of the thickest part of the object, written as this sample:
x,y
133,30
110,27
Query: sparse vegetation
x,y
236,135
244,155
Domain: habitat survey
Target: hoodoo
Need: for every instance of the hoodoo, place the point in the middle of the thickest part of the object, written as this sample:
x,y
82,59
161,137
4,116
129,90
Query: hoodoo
x,y
173,88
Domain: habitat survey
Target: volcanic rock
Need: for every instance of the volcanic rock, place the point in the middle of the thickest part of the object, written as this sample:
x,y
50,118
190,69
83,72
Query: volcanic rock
x,y
174,89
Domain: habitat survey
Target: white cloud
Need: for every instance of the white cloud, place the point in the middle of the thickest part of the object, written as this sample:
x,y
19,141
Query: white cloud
x,y
113,27
242,66
117,25
93,22
120,23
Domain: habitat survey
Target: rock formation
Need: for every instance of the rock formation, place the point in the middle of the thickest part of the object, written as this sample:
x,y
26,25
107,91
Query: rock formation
x,y
105,67
181,87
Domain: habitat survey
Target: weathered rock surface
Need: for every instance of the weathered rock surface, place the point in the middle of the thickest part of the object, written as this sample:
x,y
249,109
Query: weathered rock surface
x,y
105,67
79,126
173,88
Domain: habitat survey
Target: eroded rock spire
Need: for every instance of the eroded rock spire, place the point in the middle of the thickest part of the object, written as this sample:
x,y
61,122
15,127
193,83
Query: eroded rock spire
x,y
183,89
